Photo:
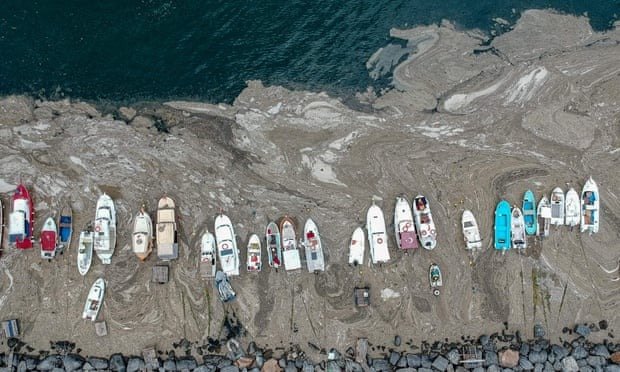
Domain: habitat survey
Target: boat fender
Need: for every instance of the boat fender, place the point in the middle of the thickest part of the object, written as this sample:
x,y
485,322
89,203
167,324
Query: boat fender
x,y
97,228
406,227
424,232
432,232
224,245
379,240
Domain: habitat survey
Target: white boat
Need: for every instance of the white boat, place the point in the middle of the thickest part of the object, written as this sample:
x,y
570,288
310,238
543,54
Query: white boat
x,y
314,247
435,277
424,222
254,254
471,233
517,229
573,208
1,223
105,229
85,250
590,207
49,239
94,300
166,235
404,229
356,247
227,251
543,217
208,256
142,238
557,207
377,236
290,251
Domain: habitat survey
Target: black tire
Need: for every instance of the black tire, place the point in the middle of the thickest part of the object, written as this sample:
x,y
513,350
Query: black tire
x,y
436,292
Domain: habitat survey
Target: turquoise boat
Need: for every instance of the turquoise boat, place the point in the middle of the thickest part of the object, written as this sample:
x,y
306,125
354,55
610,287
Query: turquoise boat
x,y
502,226
529,212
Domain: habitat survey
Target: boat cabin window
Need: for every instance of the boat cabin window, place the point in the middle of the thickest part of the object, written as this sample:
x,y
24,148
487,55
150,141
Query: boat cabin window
x,y
468,224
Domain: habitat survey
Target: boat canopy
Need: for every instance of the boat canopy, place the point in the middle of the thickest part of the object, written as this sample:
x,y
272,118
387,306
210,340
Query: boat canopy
x,y
17,226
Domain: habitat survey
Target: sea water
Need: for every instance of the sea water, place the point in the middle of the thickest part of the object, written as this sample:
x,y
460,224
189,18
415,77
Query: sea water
x,y
206,50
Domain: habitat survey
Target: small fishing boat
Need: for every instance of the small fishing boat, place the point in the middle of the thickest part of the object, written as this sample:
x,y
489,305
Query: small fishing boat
x,y
424,222
65,228
471,233
313,246
435,278
557,207
21,219
543,217
208,256
377,235
517,229
1,224
404,230
105,229
274,245
529,212
49,239
227,251
85,250
502,226
254,254
224,289
590,202
356,247
142,238
94,300
290,252
573,208
166,238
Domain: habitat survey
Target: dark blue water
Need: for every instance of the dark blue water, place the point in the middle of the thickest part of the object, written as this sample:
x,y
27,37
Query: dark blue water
x,y
156,50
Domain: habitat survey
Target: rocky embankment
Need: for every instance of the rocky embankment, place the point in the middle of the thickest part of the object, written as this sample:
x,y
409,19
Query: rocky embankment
x,y
503,351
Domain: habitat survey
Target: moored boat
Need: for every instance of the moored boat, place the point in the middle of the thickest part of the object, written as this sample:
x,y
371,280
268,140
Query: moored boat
x,y
105,229
166,238
49,239
517,229
435,278
208,256
424,222
529,212
557,207
142,237
274,245
290,251
227,251
65,228
404,230
377,235
94,300
356,247
543,217
471,233
590,207
502,226
21,219
313,247
1,224
254,254
573,208
85,250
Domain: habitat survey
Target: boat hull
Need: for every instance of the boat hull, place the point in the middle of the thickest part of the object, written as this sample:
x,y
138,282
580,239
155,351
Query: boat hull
x,y
290,251
471,233
424,223
377,235
254,263
21,219
529,212
274,245
313,247
85,251
227,251
142,238
557,207
94,301
590,207
517,229
357,247
502,226
166,230
543,217
435,278
572,214
49,239
404,229
208,256
105,229
65,228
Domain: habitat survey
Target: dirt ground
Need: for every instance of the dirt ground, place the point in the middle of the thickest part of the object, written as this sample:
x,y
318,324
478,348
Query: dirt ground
x,y
469,124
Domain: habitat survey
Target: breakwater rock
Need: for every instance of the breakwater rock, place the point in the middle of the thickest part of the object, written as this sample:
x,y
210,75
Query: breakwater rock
x,y
503,351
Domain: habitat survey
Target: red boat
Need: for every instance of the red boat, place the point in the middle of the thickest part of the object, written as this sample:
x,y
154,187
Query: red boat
x,y
21,219
49,239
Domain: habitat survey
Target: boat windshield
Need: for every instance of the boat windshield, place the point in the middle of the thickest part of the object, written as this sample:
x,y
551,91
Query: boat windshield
x,y
468,224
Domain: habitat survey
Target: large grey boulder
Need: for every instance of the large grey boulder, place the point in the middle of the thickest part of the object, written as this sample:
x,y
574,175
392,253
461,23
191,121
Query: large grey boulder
x,y
525,364
186,363
414,361
600,350
117,363
135,364
50,362
579,353
440,363
98,363
538,357
73,362
569,364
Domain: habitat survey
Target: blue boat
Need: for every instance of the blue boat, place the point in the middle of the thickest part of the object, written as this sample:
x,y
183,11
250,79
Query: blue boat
x,y
529,212
502,226
65,228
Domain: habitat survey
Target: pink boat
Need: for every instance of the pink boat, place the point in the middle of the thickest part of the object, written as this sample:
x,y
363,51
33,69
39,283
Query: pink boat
x,y
21,219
